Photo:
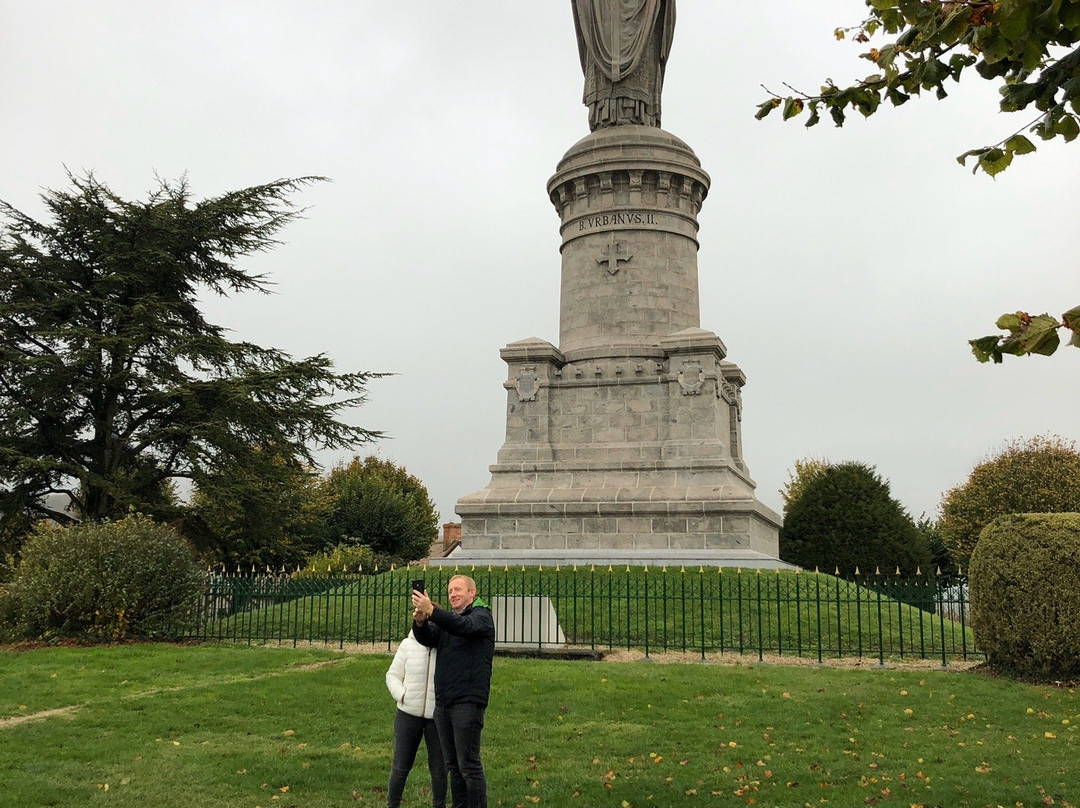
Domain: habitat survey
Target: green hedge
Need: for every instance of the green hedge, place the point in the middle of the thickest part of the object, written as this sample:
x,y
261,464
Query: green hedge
x,y
106,581
1025,594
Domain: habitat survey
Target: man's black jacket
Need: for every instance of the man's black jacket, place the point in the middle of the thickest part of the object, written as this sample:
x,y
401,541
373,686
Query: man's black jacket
x,y
466,644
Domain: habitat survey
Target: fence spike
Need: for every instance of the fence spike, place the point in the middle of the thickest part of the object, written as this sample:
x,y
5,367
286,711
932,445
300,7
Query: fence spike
x,y
701,569
556,568
856,572
360,567
877,570
817,571
646,568
327,567
836,571
938,572
918,571
628,568
757,570
897,570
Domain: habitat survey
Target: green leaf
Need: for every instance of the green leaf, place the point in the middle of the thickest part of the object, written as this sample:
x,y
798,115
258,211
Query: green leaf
x,y
1018,144
792,107
1040,335
766,108
1071,319
1011,322
814,117
1068,128
896,97
994,161
986,348
962,159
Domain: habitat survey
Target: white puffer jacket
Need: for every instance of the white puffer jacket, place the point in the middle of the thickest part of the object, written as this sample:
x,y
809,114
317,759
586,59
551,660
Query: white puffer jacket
x,y
410,679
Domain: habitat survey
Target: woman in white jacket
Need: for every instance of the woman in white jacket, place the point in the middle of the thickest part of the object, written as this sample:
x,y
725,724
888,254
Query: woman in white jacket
x,y
410,682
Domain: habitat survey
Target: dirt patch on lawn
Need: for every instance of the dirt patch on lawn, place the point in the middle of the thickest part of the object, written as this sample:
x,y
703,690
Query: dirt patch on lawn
x,y
853,663
675,658
42,715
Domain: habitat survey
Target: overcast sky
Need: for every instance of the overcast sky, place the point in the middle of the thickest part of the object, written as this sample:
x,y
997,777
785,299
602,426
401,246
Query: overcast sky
x,y
844,269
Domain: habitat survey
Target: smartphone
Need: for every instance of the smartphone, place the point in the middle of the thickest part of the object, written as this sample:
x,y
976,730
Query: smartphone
x,y
418,585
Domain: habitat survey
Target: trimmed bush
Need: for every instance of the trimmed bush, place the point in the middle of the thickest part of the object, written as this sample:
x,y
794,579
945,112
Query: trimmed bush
x,y
9,615
105,580
1040,475
347,558
1025,594
378,504
846,518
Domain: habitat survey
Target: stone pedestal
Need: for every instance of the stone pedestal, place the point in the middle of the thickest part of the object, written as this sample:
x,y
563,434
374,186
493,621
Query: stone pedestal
x,y
623,445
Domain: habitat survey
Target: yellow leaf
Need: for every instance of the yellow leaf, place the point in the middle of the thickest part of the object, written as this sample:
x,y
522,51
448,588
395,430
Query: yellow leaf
x,y
1049,735
290,732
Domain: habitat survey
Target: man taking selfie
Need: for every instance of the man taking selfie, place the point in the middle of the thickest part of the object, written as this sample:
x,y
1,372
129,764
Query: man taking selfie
x,y
465,641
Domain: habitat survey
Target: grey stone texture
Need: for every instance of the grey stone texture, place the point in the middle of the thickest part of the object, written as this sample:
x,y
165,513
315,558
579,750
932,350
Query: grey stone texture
x,y
623,444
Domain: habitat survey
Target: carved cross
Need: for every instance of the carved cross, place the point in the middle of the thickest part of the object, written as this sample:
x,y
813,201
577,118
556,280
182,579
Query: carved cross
x,y
612,255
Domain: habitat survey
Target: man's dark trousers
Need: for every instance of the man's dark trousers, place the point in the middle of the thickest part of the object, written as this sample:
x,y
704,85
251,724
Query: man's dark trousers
x,y
459,728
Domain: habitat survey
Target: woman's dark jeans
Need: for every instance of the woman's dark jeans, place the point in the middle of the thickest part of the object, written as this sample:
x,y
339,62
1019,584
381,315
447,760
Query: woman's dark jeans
x,y
408,730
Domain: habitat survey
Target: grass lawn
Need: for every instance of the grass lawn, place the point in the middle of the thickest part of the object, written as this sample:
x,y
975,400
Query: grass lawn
x,y
220,726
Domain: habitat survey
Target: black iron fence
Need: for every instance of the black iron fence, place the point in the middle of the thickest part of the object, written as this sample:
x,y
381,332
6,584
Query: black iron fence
x,y
705,611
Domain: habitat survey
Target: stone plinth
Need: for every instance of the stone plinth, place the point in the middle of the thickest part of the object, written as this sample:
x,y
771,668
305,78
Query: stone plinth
x,y
624,442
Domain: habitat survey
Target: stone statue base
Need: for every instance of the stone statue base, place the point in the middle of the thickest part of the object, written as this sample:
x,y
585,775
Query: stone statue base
x,y
624,444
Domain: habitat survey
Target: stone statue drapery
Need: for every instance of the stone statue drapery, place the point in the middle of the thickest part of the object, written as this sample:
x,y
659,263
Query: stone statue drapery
x,y
623,46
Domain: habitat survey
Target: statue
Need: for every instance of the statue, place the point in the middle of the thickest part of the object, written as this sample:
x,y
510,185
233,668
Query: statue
x,y
624,46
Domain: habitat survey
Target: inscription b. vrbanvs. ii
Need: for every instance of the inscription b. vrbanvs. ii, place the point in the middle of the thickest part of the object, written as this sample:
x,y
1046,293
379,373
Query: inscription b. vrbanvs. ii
x,y
616,219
